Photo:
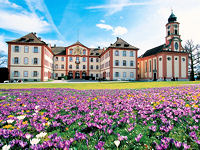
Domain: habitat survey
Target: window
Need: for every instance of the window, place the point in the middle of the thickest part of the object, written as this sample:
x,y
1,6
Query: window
x,y
124,62
124,74
116,74
150,66
56,59
124,53
62,74
91,75
16,49
70,51
116,53
62,58
62,66
16,73
77,59
25,73
154,64
16,60
131,63
35,61
145,66
91,60
26,60
97,67
35,73
168,30
97,59
83,66
25,49
84,52
97,75
35,49
91,67
70,59
84,59
131,54
175,29
77,66
56,66
56,74
70,66
116,62
131,74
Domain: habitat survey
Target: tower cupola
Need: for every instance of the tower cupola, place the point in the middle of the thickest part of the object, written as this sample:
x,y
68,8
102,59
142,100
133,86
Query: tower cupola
x,y
172,18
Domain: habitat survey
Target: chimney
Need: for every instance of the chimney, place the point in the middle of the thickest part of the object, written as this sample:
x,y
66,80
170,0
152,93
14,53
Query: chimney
x,y
39,38
34,33
54,45
98,47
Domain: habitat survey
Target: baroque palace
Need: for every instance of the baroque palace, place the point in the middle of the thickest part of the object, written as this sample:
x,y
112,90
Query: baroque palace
x,y
31,59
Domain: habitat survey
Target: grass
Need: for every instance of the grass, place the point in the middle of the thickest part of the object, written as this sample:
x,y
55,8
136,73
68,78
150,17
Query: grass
x,y
100,85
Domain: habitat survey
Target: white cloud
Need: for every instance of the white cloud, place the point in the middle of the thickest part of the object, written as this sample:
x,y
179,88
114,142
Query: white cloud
x,y
3,45
119,30
57,42
116,30
150,30
7,3
22,22
117,5
40,5
104,26
102,21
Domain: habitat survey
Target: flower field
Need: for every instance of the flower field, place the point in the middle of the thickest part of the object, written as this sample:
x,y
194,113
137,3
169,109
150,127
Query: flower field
x,y
157,118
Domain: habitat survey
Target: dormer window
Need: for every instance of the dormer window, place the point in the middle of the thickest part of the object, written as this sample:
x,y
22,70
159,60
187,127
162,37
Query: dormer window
x,y
126,45
118,44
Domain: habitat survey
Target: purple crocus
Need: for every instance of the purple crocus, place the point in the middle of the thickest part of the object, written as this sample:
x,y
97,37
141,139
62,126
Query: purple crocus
x,y
138,137
177,144
100,145
185,146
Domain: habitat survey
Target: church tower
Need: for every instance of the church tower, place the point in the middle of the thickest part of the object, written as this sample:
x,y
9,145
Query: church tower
x,y
173,40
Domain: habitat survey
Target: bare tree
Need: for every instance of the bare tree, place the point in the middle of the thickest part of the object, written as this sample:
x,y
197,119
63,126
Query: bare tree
x,y
3,60
194,58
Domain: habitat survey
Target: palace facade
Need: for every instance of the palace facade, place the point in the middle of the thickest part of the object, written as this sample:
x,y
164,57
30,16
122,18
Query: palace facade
x,y
31,59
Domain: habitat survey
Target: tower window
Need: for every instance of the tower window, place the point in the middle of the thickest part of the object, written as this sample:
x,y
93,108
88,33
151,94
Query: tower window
x,y
168,33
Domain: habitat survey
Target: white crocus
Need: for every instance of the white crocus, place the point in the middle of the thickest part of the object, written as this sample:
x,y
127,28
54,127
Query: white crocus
x,y
6,147
10,121
36,107
34,141
117,142
41,135
21,117
28,136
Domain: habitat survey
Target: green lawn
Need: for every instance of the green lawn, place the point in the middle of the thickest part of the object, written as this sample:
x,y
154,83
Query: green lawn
x,y
100,85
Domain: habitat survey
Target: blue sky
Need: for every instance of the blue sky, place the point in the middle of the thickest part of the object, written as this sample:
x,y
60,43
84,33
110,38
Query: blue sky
x,y
97,22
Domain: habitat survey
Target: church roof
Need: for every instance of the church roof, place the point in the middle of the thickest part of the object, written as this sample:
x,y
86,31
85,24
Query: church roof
x,y
58,50
120,43
29,38
153,51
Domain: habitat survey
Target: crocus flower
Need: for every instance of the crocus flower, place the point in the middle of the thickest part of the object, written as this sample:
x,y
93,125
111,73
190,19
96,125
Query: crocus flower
x,y
185,146
34,141
117,142
138,137
6,147
177,144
